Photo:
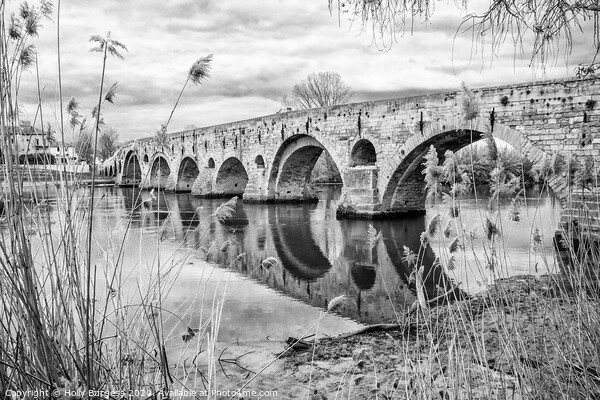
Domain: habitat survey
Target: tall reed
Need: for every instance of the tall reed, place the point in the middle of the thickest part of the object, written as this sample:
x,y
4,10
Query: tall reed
x,y
66,322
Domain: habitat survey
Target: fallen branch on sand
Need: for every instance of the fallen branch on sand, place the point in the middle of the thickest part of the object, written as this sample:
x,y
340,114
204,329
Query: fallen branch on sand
x,y
299,344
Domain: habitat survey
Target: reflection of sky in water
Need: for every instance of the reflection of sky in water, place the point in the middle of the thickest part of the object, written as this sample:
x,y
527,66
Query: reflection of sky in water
x,y
320,257
514,253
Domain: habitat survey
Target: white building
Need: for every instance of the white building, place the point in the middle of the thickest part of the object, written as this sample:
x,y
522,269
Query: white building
x,y
30,141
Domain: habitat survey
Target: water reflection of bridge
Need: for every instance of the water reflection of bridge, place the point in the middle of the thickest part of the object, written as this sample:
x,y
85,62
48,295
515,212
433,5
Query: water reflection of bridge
x,y
320,257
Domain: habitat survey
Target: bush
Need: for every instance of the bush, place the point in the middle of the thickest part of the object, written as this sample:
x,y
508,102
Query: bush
x,y
37,159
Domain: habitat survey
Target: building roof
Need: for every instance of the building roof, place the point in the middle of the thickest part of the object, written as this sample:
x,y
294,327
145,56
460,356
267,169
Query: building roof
x,y
27,129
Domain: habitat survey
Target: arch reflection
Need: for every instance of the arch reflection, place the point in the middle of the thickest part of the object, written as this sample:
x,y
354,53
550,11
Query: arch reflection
x,y
294,243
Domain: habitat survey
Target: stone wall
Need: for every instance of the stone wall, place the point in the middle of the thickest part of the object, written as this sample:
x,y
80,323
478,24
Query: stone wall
x,y
538,119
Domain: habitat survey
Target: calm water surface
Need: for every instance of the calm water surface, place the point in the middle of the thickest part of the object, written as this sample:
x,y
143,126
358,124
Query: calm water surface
x,y
319,258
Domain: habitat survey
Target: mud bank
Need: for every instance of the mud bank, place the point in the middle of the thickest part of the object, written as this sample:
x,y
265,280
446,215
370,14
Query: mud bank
x,y
524,337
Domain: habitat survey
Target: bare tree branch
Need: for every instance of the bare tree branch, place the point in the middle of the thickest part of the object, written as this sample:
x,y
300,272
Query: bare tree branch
x,y
320,90
547,26
108,143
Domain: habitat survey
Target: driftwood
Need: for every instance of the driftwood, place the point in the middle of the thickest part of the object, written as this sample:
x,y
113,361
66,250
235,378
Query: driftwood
x,y
393,327
299,344
371,328
303,345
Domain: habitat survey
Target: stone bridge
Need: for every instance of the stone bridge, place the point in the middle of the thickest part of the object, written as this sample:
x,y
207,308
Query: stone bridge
x,y
378,146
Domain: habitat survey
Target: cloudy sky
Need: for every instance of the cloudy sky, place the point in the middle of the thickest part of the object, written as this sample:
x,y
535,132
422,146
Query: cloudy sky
x,y
261,49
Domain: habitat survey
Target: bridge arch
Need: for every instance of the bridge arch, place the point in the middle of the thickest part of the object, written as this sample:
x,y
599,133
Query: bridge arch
x,y
211,163
260,162
405,189
160,171
188,172
363,153
231,178
132,172
292,166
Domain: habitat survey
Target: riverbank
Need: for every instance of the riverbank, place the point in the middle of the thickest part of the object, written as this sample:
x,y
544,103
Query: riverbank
x,y
524,337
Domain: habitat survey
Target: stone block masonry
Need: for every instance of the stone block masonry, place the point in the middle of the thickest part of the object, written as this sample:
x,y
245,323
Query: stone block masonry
x,y
377,146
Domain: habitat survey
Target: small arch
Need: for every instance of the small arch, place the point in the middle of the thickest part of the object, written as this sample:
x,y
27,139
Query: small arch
x,y
146,159
188,172
232,178
132,172
159,173
259,161
110,171
363,153
211,163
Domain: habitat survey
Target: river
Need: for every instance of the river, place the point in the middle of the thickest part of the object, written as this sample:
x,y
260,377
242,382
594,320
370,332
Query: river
x,y
318,256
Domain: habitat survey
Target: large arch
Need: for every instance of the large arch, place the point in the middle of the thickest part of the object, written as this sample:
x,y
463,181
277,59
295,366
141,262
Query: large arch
x,y
405,189
188,172
132,172
232,178
291,169
160,171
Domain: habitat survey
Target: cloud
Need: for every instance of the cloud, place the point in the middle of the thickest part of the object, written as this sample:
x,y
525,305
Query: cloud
x,y
261,49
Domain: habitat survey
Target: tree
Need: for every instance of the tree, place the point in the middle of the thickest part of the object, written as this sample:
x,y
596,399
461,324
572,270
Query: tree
x,y
49,134
548,24
108,143
319,90
84,148
73,112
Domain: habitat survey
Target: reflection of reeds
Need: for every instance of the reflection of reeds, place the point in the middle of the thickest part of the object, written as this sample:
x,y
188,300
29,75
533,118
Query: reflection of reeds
x,y
522,337
68,317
